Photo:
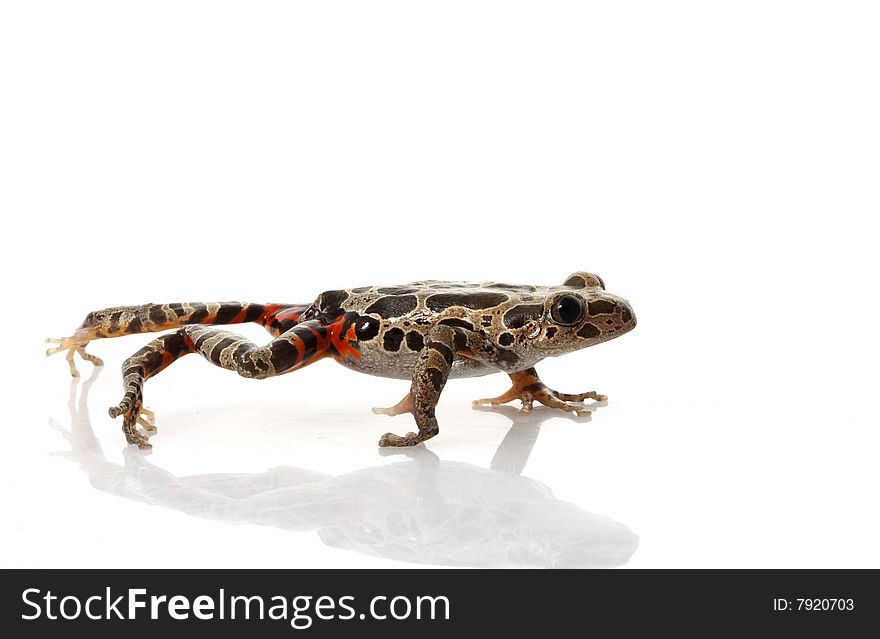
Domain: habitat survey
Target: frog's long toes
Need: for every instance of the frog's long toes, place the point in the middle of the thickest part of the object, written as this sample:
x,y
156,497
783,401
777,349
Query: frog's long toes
x,y
147,419
132,435
97,361
563,401
580,410
72,345
578,397
54,349
140,441
133,413
389,439
148,425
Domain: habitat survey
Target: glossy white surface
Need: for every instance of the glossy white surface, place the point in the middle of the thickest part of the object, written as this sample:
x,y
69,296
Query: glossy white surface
x,y
716,166
418,509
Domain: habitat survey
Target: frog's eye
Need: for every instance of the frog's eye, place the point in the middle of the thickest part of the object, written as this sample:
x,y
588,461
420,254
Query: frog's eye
x,y
567,310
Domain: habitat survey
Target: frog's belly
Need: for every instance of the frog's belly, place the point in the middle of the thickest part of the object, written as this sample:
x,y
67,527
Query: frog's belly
x,y
402,365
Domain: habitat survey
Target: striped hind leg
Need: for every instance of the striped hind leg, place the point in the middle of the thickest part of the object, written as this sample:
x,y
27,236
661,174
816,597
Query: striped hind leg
x,y
301,345
150,318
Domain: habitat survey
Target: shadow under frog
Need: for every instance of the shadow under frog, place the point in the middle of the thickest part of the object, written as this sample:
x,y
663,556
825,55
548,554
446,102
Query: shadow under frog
x,y
422,510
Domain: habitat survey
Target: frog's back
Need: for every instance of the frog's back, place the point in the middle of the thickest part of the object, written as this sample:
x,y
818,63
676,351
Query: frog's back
x,y
393,321
429,302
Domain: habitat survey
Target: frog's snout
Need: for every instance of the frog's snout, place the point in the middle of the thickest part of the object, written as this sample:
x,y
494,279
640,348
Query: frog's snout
x,y
612,312
627,314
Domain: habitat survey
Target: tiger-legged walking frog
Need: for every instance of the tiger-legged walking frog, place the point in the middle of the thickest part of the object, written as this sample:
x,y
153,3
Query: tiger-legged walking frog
x,y
426,332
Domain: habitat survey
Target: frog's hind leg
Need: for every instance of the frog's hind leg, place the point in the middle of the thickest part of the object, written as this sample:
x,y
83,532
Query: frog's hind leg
x,y
528,388
280,318
303,344
118,321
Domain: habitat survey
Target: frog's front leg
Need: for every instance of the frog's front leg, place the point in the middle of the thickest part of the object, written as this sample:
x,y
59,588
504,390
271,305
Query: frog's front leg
x,y
442,344
528,388
429,378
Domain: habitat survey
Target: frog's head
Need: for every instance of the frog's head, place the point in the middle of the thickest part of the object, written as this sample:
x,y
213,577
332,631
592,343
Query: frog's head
x,y
578,314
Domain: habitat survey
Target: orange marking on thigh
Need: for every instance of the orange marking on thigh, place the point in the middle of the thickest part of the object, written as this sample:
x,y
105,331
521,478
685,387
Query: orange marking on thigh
x,y
345,345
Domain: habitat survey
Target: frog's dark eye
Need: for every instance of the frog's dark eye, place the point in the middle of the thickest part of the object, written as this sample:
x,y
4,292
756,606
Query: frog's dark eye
x,y
567,310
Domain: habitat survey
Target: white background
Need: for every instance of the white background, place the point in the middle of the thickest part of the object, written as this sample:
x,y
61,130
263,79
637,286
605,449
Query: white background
x,y
716,163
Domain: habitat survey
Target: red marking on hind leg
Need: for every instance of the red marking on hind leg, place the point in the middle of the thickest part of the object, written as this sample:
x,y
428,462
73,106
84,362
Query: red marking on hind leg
x,y
345,345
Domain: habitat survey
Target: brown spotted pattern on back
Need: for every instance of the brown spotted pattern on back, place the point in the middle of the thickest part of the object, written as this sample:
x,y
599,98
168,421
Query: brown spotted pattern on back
x,y
393,321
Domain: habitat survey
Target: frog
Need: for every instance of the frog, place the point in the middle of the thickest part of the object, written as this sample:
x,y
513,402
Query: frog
x,y
427,332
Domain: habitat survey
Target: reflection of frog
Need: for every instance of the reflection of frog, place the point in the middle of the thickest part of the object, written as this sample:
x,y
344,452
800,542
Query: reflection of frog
x,y
421,509
424,331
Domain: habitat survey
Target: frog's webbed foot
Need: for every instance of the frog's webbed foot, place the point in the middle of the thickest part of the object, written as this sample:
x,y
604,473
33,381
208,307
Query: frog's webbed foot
x,y
133,413
133,416
72,344
147,419
528,388
401,407
410,439
405,405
